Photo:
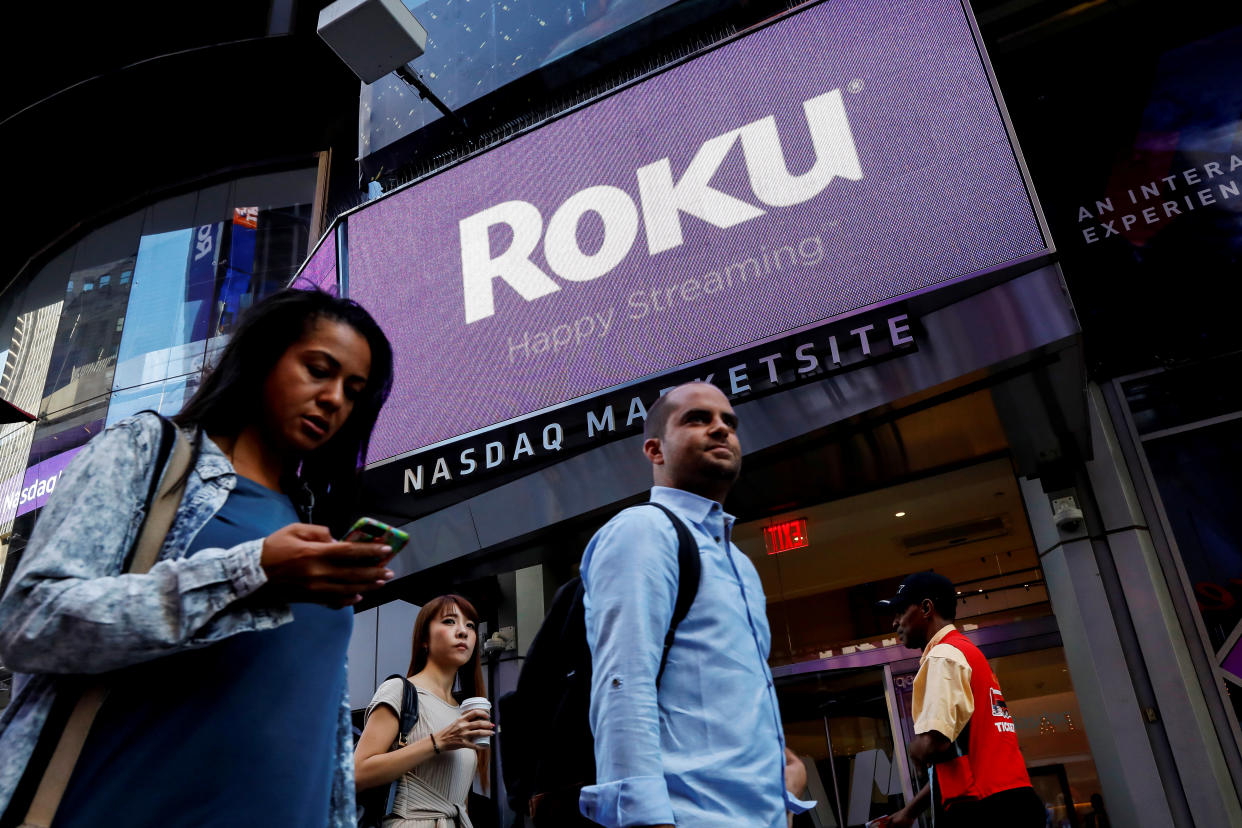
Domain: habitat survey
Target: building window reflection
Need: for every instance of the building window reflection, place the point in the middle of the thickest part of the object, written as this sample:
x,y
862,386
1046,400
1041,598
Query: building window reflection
x,y
144,303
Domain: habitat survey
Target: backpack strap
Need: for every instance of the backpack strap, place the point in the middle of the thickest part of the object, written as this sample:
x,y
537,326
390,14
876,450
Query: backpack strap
x,y
689,570
408,715
405,723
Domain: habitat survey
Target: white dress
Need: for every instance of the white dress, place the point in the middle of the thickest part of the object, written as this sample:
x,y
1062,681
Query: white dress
x,y
434,793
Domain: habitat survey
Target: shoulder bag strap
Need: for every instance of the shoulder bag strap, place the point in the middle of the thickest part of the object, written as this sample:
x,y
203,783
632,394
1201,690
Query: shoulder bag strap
x,y
407,717
161,510
406,720
689,570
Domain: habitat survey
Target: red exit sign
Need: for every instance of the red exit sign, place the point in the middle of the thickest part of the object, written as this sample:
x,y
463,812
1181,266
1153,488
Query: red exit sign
x,y
781,537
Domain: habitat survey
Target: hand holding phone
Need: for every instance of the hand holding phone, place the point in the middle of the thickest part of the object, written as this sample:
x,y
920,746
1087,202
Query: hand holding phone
x,y
370,530
304,563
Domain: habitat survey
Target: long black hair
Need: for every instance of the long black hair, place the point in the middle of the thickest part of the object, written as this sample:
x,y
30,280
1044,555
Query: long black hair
x,y
226,401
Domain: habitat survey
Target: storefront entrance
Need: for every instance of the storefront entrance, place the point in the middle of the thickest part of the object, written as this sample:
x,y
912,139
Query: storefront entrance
x,y
934,488
841,724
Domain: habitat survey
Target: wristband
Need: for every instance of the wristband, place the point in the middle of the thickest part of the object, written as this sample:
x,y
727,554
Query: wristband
x,y
434,746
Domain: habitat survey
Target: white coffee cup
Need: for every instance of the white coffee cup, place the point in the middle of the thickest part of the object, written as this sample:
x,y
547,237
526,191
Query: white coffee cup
x,y
478,703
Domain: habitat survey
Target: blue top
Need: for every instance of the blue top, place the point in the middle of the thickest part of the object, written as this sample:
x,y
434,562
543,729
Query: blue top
x,y
66,612
238,733
709,751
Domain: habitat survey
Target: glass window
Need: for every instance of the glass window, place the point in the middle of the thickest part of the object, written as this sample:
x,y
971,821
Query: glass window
x,y
14,449
30,349
476,48
80,374
838,724
53,448
165,396
1196,474
1049,724
85,350
192,284
1191,394
69,428
265,245
166,312
281,240
969,525
126,319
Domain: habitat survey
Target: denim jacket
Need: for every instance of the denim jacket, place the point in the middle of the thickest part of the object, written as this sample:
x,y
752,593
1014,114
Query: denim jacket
x,y
70,610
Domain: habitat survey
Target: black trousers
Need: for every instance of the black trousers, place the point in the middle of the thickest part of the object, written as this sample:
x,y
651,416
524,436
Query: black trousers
x,y
1015,808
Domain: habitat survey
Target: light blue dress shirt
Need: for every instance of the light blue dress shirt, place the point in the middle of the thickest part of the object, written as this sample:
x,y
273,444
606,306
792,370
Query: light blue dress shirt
x,y
709,749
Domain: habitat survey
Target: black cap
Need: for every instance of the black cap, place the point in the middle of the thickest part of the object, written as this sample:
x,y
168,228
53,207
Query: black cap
x,y
919,587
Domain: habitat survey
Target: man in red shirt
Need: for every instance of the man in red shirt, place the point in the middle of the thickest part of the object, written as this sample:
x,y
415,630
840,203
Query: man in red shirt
x,y
964,734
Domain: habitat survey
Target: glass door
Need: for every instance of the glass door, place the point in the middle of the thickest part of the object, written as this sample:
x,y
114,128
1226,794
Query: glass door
x,y
840,724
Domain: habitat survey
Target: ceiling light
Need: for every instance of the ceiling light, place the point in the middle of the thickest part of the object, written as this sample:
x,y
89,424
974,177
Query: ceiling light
x,y
900,514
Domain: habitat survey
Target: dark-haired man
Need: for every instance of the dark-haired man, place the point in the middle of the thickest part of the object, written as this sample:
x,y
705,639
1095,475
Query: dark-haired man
x,y
707,749
964,734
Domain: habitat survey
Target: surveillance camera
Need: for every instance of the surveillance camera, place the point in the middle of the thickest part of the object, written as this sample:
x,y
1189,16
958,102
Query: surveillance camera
x,y
1066,514
494,645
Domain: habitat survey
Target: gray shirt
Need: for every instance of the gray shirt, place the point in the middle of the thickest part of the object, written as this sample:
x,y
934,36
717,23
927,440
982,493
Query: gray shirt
x,y
433,790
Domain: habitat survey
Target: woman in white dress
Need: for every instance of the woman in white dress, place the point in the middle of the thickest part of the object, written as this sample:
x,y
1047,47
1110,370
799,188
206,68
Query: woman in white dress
x,y
438,765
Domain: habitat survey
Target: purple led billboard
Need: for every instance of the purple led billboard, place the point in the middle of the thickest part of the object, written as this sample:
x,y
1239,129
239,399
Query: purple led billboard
x,y
836,159
38,483
319,271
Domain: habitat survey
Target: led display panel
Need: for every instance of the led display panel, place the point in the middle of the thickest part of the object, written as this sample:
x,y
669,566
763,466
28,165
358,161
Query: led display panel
x,y
319,271
836,159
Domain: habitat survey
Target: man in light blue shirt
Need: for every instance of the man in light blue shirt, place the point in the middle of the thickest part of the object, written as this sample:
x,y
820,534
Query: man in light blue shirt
x,y
707,750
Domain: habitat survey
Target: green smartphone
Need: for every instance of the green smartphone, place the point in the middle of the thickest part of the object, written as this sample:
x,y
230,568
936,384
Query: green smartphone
x,y
370,530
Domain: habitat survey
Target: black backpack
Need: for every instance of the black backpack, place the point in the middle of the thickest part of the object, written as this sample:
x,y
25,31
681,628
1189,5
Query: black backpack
x,y
546,746
375,803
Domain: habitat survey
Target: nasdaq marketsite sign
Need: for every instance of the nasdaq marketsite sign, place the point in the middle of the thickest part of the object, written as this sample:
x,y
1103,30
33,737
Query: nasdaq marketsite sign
x,y
834,160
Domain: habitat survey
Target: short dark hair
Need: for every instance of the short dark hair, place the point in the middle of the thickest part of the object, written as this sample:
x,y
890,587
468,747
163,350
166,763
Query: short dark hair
x,y
658,414
657,418
225,401
946,606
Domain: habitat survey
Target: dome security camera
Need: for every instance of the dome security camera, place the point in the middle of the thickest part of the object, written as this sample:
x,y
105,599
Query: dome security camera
x,y
1066,514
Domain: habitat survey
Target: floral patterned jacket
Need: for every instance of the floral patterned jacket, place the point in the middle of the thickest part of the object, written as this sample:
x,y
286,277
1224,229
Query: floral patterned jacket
x,y
69,609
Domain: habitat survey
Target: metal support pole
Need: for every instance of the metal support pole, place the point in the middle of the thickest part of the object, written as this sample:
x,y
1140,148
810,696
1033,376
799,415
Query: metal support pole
x,y
413,79
832,767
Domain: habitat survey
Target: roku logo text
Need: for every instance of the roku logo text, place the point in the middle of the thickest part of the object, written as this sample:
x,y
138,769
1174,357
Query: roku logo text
x,y
661,200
